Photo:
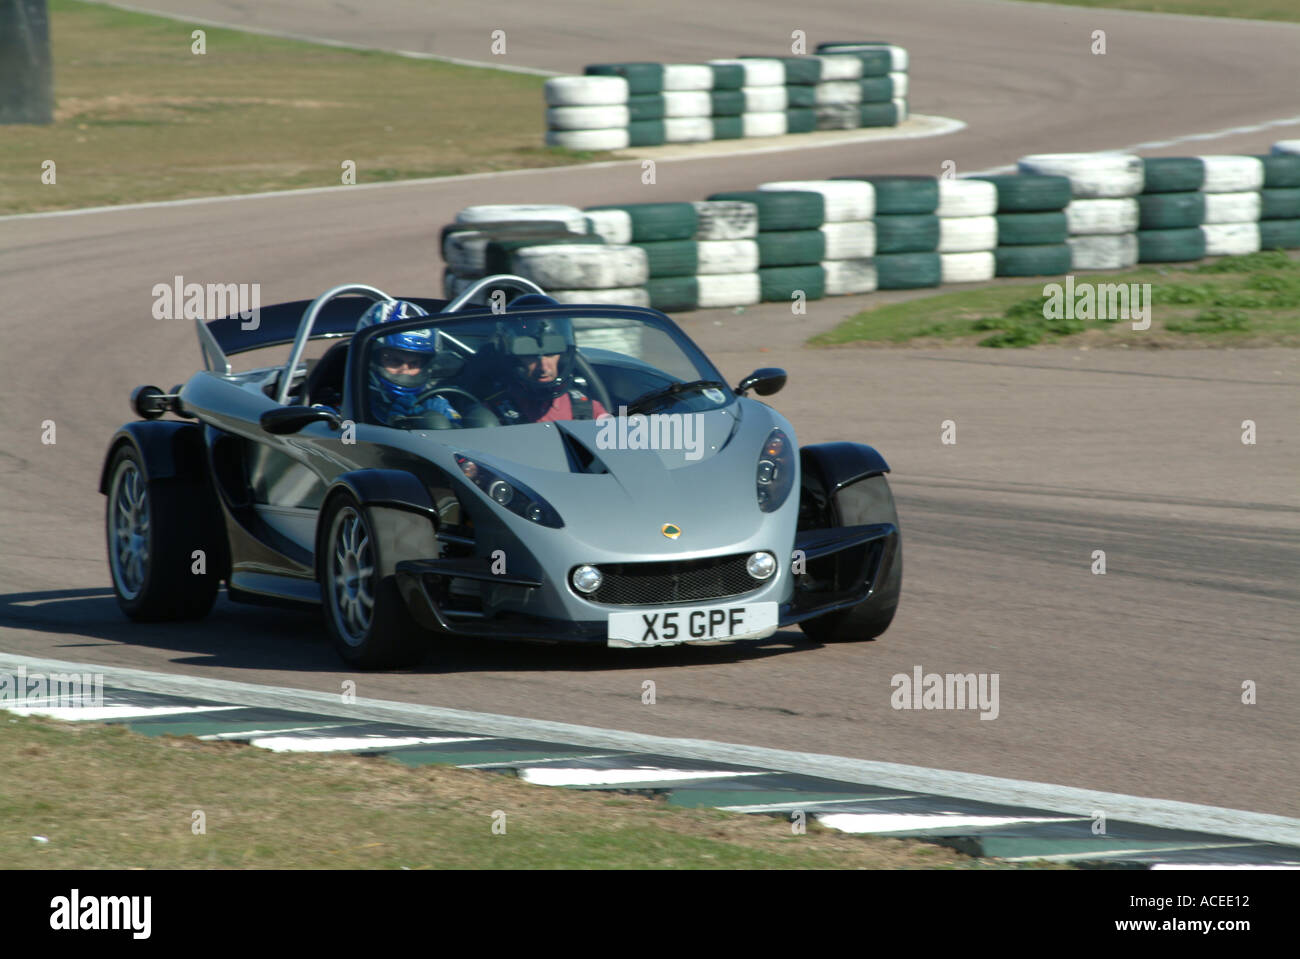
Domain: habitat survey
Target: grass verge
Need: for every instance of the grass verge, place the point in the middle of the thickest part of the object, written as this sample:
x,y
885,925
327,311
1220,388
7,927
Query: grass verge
x,y
105,797
140,117
1248,9
1235,301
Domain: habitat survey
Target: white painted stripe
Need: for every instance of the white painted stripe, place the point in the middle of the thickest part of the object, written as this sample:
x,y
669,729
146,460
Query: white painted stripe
x,y
1112,852
324,41
945,126
336,744
1173,141
616,777
508,763
778,806
219,737
887,822
1165,813
1223,865
92,714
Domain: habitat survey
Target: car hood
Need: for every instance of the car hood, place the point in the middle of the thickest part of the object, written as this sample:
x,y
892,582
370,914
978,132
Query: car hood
x,y
706,489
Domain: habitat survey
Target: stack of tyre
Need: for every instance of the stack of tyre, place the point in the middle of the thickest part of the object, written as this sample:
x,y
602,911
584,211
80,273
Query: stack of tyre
x,y
698,255
1103,213
906,230
587,113
1171,210
762,95
815,238
546,243
1279,224
806,78
1233,204
1032,225
882,83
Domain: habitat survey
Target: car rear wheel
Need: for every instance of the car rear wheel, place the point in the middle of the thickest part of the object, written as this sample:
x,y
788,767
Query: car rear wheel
x,y
868,501
364,613
161,569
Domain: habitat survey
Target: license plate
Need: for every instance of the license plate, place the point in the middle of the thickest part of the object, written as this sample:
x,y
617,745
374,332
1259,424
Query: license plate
x,y
693,624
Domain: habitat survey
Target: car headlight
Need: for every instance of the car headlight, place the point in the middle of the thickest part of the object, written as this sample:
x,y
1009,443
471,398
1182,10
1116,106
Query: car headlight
x,y
774,475
509,493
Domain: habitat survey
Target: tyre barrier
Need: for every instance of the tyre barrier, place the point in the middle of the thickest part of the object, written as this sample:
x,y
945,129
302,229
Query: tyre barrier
x,y
614,106
856,234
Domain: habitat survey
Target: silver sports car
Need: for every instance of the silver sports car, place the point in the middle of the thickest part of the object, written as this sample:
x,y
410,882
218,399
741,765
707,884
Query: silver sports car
x,y
490,466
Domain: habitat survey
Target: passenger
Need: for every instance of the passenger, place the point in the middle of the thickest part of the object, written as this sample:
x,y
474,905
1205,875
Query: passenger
x,y
539,356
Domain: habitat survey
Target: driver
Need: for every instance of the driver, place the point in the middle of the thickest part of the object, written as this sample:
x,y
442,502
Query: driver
x,y
539,357
401,368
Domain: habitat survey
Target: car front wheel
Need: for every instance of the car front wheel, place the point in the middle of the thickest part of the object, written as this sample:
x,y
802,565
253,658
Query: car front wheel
x,y
364,613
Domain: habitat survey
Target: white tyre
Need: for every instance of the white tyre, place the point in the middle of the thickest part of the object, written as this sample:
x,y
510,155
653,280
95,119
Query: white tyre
x,y
838,116
726,256
763,124
612,226
617,296
688,129
729,289
586,118
837,93
764,99
616,139
489,213
454,285
576,266
1232,174
840,67
900,104
1285,147
846,200
759,72
725,220
465,253
585,91
973,267
967,198
900,85
1090,217
847,277
687,76
1231,207
1116,252
1091,175
966,234
1231,239
849,241
688,103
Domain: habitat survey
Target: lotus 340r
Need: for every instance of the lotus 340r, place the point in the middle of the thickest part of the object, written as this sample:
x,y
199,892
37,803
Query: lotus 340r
x,y
522,469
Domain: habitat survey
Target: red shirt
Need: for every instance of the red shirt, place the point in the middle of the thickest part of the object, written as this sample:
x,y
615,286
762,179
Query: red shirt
x,y
562,409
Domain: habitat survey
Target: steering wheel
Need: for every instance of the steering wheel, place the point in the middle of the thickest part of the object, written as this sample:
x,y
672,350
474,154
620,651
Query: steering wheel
x,y
488,419
594,382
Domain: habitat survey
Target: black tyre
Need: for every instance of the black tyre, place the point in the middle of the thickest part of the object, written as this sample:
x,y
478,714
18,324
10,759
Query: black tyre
x,y
364,612
152,537
865,502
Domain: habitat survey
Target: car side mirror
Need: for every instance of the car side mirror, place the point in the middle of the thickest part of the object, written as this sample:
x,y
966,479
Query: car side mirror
x,y
284,420
764,382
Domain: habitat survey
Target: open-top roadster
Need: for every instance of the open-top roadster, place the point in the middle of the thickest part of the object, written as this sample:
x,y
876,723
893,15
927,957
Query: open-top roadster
x,y
644,502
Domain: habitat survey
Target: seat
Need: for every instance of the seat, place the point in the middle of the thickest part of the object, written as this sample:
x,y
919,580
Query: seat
x,y
325,381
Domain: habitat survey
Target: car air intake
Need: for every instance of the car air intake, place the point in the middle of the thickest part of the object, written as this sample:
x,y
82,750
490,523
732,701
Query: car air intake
x,y
675,581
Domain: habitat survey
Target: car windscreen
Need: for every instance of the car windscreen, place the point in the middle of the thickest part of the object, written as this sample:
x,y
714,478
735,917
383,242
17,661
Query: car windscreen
x,y
512,368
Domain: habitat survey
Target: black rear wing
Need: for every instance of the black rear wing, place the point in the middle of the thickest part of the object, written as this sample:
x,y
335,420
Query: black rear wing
x,y
278,324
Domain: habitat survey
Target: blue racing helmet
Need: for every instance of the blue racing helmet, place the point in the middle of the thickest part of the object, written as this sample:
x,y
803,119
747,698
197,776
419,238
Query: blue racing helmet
x,y
401,364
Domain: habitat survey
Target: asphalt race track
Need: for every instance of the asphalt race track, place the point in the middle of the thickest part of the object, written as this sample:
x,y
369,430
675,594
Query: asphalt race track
x,y
1128,682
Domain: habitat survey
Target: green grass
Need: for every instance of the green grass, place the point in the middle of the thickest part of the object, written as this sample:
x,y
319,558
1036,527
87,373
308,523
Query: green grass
x,y
108,798
139,117
1249,9
1235,301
